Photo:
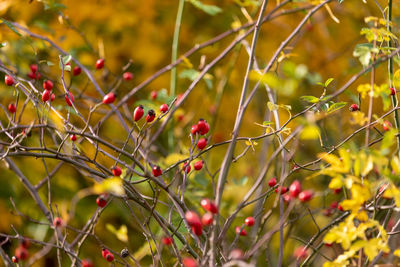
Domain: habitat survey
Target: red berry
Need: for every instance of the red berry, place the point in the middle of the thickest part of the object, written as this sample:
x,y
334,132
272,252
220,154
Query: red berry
x,y
57,222
337,191
76,71
392,91
295,188
164,108
9,80
52,97
99,63
33,68
189,262
300,253
69,99
109,257
14,259
127,76
272,182
73,138
150,116
334,205
109,98
157,171
21,253
87,263
104,252
207,219
198,165
354,107
153,95
328,244
25,243
201,144
167,240
48,85
46,95
249,221
116,171
305,196
186,167
287,198
281,189
197,229
236,254
34,75
192,218
340,208
209,205
204,127
195,129
240,232
138,113
101,201
387,125
12,108
328,212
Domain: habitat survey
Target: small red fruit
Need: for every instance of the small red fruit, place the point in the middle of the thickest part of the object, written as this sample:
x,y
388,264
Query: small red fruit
x,y
186,167
48,85
12,108
76,71
337,191
300,253
197,229
281,189
25,243
21,253
46,95
138,113
354,107
295,188
109,257
14,259
151,115
33,68
99,63
34,75
392,91
328,244
201,144
104,252
52,97
157,171
57,222
207,219
167,240
209,205
198,165
164,108
87,263
387,125
127,76
287,198
204,127
340,208
109,98
240,232
272,182
192,218
69,99
305,196
195,129
73,138
153,95
9,80
101,201
334,205
236,254
116,171
249,221
189,262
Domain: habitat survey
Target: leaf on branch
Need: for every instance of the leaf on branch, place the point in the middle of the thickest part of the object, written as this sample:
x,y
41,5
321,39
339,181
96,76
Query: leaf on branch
x,y
336,106
209,9
310,132
309,98
121,233
363,52
9,25
110,185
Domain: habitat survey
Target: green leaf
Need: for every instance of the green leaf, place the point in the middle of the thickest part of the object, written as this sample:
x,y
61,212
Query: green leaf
x,y
192,74
328,81
65,60
309,98
363,52
9,25
209,9
336,106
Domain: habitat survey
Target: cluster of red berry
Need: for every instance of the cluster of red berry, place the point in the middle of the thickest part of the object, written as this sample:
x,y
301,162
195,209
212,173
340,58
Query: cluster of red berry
x,y
295,190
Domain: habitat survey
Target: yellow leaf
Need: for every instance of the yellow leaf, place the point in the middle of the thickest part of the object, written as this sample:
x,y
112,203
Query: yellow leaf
x,y
336,183
368,167
111,185
174,158
121,233
397,253
310,132
395,163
